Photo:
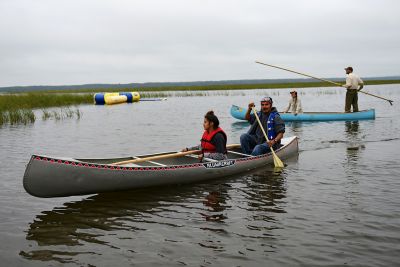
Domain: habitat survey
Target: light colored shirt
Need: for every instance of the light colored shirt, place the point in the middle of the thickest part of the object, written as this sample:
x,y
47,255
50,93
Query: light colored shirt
x,y
353,81
294,107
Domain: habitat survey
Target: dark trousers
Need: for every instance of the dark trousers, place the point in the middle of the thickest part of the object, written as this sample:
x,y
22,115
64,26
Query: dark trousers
x,y
351,100
249,145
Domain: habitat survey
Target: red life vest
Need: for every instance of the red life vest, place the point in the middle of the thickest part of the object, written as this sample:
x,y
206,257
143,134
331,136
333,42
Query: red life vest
x,y
206,145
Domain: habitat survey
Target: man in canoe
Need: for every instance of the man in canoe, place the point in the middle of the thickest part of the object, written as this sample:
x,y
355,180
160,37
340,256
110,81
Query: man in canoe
x,y
213,141
353,85
253,142
294,104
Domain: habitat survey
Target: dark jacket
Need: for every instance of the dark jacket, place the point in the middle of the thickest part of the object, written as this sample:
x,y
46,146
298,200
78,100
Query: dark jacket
x,y
279,125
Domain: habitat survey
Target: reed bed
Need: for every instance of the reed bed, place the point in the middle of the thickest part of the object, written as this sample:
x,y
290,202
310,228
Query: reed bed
x,y
25,116
63,113
199,88
42,100
215,87
18,108
18,116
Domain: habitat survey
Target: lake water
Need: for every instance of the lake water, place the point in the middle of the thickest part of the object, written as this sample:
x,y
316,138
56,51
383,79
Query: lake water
x,y
335,204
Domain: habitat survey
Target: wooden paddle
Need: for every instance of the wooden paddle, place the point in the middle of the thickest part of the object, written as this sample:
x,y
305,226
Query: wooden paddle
x,y
277,161
338,84
166,156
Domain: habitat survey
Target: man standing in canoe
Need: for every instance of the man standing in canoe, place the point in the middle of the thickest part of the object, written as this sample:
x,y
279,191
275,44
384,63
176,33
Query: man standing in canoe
x,y
253,142
353,85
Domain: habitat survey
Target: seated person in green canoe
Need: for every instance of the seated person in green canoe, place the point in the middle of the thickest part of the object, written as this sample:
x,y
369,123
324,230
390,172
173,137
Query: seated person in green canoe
x,y
213,141
253,142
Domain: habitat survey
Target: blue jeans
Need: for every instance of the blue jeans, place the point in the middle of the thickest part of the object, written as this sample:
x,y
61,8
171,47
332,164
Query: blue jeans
x,y
249,145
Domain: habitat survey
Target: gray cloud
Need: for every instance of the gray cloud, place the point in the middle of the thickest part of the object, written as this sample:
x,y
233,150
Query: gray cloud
x,y
93,41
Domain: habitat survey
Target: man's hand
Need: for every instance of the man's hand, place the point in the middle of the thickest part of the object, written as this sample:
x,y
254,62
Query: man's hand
x,y
271,142
247,116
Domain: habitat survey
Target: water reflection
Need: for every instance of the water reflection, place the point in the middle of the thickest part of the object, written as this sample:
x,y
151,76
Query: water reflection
x,y
295,126
216,203
102,222
268,189
354,141
240,126
352,128
86,222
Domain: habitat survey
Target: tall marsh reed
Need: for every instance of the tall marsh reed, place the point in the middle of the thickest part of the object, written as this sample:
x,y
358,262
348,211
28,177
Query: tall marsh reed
x,y
19,108
12,117
63,113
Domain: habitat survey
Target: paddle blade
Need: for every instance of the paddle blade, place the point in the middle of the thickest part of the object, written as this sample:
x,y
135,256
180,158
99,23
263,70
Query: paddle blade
x,y
277,161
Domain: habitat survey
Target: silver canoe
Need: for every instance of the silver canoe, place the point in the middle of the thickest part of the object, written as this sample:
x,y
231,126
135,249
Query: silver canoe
x,y
60,177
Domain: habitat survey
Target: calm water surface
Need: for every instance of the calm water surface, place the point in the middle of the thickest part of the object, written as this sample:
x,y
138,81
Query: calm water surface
x,y
335,204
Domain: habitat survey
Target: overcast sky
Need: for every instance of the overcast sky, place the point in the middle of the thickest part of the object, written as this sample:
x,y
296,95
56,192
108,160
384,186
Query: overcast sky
x,y
65,42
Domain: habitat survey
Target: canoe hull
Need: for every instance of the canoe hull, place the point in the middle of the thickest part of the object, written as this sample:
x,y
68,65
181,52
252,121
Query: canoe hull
x,y
54,177
239,113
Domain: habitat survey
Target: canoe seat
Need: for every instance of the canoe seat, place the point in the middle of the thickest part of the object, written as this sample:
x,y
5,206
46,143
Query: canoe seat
x,y
241,155
204,159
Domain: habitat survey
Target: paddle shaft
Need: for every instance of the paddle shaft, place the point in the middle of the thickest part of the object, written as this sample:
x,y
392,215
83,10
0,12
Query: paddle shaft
x,y
277,160
166,156
307,75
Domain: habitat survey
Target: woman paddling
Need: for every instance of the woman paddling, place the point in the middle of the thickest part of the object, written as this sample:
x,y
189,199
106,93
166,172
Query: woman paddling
x,y
213,141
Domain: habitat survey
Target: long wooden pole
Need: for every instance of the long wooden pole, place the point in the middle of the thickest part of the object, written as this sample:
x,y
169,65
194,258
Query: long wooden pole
x,y
166,156
307,75
277,161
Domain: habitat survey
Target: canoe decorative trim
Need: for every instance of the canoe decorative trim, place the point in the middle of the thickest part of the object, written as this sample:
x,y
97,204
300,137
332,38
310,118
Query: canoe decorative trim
x,y
207,165
115,168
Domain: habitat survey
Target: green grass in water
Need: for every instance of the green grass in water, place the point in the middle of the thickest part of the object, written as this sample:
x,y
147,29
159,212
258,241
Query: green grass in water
x,y
17,108
12,117
42,100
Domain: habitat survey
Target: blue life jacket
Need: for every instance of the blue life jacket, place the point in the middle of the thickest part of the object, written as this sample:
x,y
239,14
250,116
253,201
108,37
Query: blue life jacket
x,y
270,125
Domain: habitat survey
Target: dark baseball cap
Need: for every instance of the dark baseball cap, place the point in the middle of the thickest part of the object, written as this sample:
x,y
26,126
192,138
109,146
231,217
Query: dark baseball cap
x,y
349,68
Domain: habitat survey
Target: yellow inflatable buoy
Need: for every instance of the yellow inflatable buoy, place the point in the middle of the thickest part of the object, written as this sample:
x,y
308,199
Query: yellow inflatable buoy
x,y
116,98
